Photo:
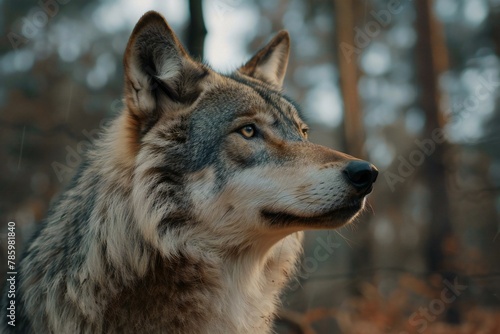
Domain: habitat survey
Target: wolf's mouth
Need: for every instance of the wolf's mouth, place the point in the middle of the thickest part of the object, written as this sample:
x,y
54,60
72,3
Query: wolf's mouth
x,y
337,216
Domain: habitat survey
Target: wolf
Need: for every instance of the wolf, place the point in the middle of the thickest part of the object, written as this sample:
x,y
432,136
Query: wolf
x,y
187,215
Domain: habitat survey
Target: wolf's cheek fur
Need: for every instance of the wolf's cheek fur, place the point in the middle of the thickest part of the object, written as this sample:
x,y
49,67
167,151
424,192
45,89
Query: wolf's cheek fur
x,y
240,151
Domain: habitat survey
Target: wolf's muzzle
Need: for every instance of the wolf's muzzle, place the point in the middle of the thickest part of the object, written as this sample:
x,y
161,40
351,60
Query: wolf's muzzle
x,y
361,175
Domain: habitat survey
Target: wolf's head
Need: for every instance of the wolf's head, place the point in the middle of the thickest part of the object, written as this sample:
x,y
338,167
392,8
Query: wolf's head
x,y
227,154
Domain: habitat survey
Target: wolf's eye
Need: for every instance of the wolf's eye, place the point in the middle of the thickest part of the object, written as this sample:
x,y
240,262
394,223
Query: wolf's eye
x,y
304,132
248,131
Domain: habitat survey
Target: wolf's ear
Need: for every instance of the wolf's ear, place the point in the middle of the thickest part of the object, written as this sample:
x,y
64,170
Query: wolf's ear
x,y
158,71
269,64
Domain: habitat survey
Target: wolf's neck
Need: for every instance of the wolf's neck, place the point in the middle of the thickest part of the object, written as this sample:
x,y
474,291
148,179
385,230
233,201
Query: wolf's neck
x,y
254,280
236,293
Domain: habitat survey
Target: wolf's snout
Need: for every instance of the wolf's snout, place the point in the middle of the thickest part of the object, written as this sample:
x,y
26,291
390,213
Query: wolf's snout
x,y
361,175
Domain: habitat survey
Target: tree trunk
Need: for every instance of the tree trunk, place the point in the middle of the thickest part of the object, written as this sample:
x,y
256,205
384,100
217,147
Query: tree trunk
x,y
197,30
348,65
346,14
431,60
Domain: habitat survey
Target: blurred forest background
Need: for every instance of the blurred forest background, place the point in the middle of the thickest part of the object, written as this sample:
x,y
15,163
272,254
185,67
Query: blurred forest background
x,y
412,86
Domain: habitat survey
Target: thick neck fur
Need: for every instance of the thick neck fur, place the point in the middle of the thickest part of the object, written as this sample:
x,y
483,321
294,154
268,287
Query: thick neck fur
x,y
114,280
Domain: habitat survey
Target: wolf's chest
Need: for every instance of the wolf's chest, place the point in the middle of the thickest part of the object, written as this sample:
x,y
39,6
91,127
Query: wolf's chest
x,y
189,296
172,297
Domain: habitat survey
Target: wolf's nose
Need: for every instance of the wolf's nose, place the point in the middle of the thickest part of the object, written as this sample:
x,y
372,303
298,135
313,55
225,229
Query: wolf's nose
x,y
361,174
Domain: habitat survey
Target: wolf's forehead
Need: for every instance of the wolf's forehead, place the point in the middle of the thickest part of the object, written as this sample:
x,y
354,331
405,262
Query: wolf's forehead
x,y
251,96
